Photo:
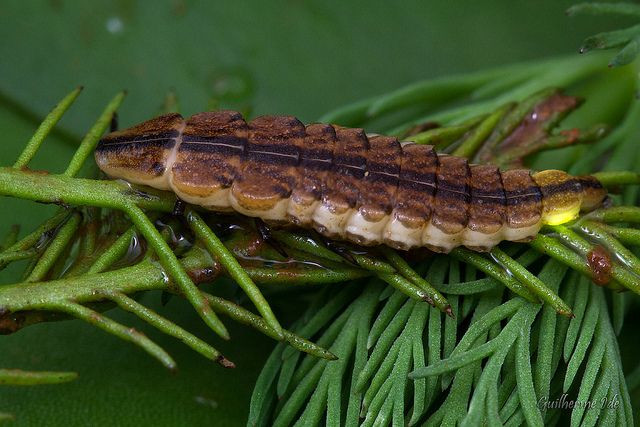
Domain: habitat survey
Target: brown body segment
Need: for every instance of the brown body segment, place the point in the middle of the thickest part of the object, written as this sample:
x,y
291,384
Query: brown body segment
x,y
343,183
417,185
209,156
452,195
487,210
268,173
316,160
141,152
381,178
524,203
347,185
342,186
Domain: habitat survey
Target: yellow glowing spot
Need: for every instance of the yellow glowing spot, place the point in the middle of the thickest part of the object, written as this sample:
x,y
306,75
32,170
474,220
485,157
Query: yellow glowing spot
x,y
555,218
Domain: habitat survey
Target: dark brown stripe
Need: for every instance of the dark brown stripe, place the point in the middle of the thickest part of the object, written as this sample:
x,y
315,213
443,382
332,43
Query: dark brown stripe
x,y
350,165
139,138
224,144
590,182
488,194
421,181
164,144
278,154
572,185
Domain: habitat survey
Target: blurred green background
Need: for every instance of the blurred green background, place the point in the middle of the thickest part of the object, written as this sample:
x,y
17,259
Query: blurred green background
x,y
278,57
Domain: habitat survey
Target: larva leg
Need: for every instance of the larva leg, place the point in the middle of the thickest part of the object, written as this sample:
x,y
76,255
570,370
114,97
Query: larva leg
x,y
340,250
178,208
265,235
113,126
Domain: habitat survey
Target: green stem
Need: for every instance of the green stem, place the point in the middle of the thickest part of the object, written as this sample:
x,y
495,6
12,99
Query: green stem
x,y
115,328
174,269
92,137
19,377
599,232
27,242
55,248
222,254
144,276
78,191
7,257
627,236
495,271
612,179
243,316
555,249
373,264
305,244
405,269
616,214
443,137
406,287
169,328
89,232
11,237
116,251
578,261
45,128
532,282
316,276
473,142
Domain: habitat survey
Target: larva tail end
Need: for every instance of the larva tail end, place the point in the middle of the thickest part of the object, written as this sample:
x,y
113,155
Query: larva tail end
x,y
143,153
562,196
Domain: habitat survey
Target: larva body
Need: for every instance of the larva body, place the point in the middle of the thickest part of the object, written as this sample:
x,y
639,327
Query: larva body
x,y
342,182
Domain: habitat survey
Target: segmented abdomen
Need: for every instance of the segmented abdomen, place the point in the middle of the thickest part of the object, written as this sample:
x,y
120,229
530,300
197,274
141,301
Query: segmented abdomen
x,y
343,183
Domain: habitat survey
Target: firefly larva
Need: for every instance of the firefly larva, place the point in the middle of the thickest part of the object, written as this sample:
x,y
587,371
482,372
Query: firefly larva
x,y
342,182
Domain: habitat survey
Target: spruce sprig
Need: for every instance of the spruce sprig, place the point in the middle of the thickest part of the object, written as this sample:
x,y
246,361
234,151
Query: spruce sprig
x,y
89,256
503,359
627,39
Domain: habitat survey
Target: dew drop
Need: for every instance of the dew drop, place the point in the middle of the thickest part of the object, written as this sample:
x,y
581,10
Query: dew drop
x,y
206,402
114,25
501,264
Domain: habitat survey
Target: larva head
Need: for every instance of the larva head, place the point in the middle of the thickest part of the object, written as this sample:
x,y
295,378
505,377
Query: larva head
x,y
593,193
564,196
141,153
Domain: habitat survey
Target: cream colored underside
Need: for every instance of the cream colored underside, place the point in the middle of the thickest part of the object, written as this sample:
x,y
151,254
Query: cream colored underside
x,y
349,225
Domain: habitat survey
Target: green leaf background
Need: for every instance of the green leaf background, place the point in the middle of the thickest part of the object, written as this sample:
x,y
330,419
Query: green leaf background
x,y
278,57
